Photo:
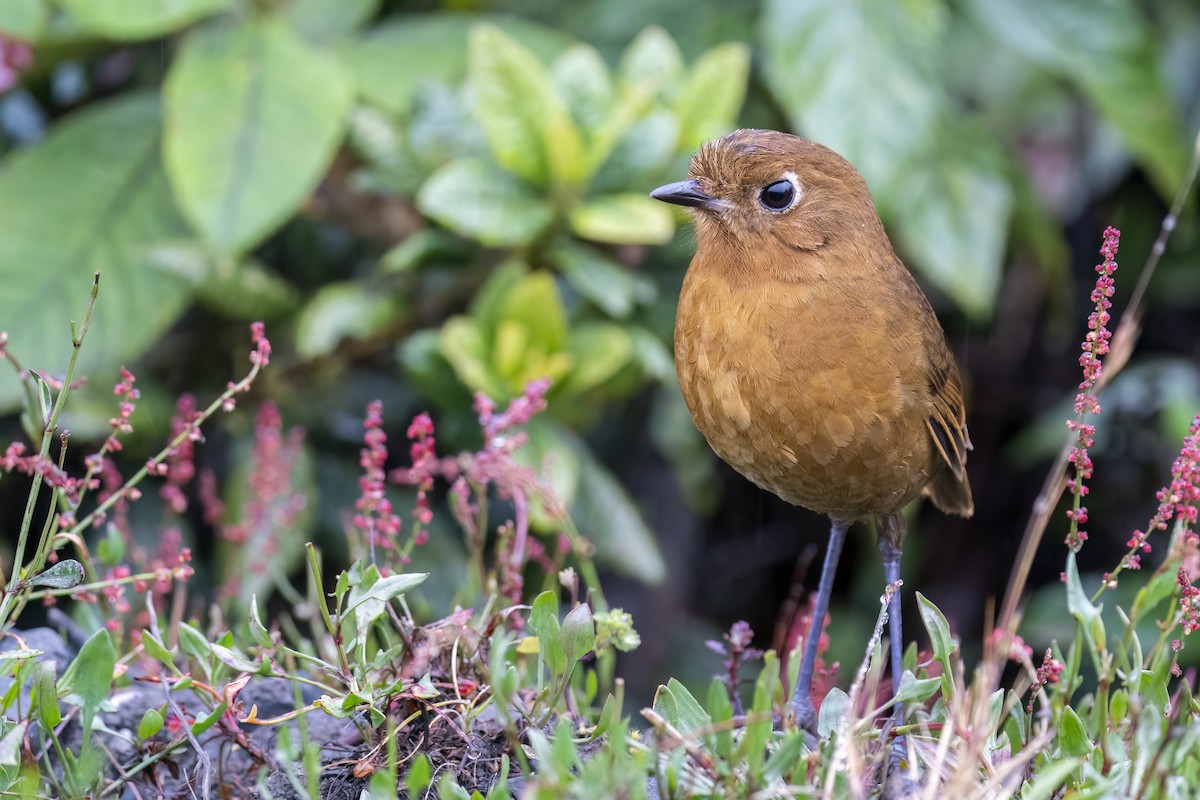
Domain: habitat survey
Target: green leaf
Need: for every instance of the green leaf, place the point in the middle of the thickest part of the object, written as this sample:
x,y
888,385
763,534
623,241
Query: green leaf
x,y
623,219
543,621
938,628
614,288
599,350
1081,607
133,20
954,222
45,694
1117,66
1072,735
677,706
527,124
652,58
1154,692
394,59
341,311
371,604
90,676
156,649
247,290
202,724
607,515
485,204
582,81
23,19
118,209
546,444
327,20
419,775
578,633
253,117
11,747
151,723
462,343
710,100
534,302
853,104
1049,780
913,689
834,708
65,574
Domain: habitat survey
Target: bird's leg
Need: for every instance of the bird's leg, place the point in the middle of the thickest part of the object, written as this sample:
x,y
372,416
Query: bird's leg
x,y
802,705
891,537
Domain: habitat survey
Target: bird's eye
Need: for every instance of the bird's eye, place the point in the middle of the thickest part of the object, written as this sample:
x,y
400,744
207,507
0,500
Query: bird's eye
x,y
777,196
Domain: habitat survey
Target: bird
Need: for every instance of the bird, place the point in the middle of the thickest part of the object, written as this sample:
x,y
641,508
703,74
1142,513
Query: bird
x,y
810,358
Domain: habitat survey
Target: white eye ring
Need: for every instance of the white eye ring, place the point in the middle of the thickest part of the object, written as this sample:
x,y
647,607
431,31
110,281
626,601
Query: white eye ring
x,y
781,195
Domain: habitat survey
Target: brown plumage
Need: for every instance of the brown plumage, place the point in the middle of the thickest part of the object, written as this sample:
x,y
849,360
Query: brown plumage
x,y
810,359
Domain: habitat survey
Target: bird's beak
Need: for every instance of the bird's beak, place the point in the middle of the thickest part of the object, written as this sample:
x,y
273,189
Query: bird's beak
x,y
685,193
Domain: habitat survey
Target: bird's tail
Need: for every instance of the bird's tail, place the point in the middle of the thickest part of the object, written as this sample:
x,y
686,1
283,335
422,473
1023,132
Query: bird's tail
x,y
951,494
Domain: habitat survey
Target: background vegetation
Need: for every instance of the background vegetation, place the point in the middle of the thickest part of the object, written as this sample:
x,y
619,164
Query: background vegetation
x,y
423,200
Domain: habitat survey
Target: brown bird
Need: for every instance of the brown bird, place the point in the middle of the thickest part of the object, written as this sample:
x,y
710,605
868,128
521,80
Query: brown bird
x,y
810,359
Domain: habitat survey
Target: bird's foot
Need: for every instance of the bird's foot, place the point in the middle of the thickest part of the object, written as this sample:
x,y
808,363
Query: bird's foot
x,y
806,714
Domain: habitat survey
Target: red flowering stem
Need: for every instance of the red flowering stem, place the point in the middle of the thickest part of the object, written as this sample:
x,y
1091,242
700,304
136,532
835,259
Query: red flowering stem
x,y
77,337
258,359
1095,346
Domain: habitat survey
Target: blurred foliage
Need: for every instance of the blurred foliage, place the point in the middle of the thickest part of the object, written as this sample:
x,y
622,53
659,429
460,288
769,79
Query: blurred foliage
x,y
427,199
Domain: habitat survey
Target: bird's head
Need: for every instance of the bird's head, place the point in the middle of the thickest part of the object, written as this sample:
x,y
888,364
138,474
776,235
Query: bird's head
x,y
754,187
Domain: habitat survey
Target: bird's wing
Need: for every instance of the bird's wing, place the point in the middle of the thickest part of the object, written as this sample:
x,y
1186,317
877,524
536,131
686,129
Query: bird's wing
x,y
947,420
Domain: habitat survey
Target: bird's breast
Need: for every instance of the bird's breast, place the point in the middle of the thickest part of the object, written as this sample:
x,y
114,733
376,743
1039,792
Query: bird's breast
x,y
807,389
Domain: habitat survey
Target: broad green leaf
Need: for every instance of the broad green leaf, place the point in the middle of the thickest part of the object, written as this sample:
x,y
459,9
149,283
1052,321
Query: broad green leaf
x,y
1154,692
614,288
955,220
118,209
941,180
253,116
1109,49
677,706
340,311
11,746
709,102
855,104
396,58
1072,735
607,515
23,19
133,20
535,303
248,290
90,676
45,694
371,604
623,219
462,343
546,446
156,649
599,350
652,58
327,20
582,81
484,203
578,633
527,124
